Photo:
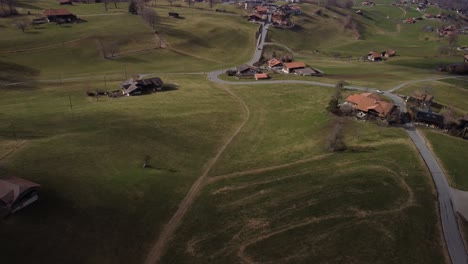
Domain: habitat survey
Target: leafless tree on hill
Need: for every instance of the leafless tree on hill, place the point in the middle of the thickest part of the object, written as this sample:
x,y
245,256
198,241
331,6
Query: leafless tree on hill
x,y
189,3
22,24
106,4
453,40
109,49
211,3
140,5
335,141
449,115
7,7
150,17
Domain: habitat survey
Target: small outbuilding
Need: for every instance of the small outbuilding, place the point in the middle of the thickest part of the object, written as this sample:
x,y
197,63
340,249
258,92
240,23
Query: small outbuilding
x,y
261,76
17,193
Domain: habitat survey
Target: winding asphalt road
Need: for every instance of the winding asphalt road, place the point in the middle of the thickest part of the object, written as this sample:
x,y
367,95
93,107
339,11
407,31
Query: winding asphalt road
x,y
448,216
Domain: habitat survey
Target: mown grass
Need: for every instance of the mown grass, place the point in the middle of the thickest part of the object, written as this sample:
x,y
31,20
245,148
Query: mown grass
x,y
275,110
329,208
453,95
452,151
196,43
97,204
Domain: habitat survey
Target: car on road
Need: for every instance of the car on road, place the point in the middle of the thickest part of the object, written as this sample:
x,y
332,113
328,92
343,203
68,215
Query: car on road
x,y
380,91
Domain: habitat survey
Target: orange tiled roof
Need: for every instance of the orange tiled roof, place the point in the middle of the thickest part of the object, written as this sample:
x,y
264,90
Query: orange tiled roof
x,y
263,9
295,65
57,12
261,76
369,101
274,62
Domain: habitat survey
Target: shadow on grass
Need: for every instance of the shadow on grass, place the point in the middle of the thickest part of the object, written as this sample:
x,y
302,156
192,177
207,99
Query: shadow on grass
x,y
130,60
12,73
168,87
361,149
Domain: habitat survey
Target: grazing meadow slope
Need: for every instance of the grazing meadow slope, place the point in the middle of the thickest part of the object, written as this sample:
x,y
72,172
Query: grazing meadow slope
x,y
276,194
291,201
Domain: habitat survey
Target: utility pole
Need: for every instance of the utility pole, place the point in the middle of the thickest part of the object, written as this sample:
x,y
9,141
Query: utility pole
x,y
71,106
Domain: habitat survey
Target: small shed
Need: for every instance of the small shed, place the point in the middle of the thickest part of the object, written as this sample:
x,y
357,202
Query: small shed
x,y
261,76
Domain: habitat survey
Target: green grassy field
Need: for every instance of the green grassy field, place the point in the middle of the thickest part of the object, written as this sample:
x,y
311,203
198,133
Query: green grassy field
x,y
198,42
98,205
314,207
452,151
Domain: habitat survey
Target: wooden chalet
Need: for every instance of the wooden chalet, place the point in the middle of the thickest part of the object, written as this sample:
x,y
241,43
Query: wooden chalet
x,y
141,86
370,103
16,193
290,67
59,16
275,64
430,118
374,56
247,71
262,10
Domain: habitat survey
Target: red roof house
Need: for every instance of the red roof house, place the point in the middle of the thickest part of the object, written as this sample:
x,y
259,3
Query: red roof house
x,y
59,15
261,9
275,63
370,103
291,66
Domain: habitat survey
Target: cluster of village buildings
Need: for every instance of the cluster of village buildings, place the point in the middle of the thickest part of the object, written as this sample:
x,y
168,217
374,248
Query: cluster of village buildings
x,y
275,65
280,15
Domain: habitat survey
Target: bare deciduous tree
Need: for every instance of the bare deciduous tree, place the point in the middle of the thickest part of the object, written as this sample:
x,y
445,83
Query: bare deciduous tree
x,y
171,2
149,16
132,7
109,49
140,6
22,24
449,115
211,3
8,7
335,140
106,4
